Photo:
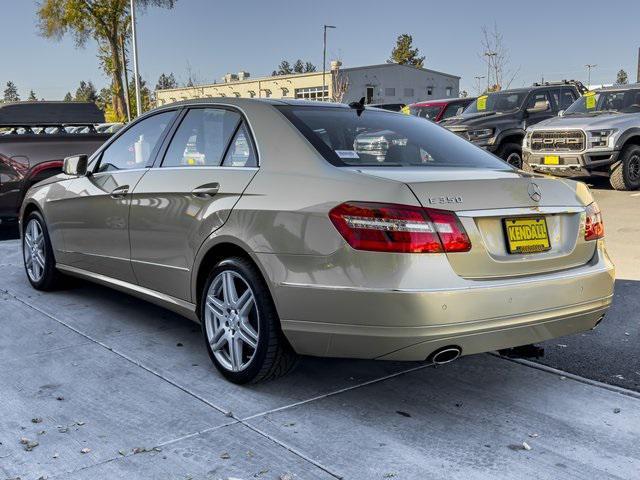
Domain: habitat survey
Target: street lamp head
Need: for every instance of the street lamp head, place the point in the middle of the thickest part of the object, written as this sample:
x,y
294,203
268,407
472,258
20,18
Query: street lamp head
x,y
329,26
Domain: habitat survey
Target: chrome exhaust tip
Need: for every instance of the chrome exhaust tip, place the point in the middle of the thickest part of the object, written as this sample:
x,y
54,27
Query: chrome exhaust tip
x,y
445,355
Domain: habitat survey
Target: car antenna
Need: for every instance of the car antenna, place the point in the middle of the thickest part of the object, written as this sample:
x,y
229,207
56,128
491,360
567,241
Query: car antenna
x,y
359,105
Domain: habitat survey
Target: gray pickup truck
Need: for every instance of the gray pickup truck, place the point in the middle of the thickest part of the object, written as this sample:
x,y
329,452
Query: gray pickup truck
x,y
35,137
599,134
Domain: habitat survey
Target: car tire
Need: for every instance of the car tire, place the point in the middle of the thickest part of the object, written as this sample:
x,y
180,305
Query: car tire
x,y
37,253
512,154
626,174
244,341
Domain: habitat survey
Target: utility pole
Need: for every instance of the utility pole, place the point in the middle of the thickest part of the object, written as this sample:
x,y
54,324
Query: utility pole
x,y
135,59
589,67
324,57
478,78
638,74
489,56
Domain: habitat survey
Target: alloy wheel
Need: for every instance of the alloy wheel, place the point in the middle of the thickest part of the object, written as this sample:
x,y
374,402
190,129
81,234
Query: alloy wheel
x,y
231,321
33,248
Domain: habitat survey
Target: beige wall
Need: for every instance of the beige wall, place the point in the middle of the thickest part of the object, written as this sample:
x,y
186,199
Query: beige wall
x,y
266,87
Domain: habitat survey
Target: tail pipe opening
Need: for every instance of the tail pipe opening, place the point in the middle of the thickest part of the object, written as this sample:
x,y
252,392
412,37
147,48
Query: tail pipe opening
x,y
445,355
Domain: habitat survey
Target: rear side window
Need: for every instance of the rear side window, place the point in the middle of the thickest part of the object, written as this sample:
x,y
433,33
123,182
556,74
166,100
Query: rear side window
x,y
202,138
374,138
564,98
241,152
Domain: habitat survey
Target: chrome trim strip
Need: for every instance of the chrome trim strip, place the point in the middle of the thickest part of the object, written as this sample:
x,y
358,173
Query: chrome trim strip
x,y
509,212
540,278
183,269
177,305
207,167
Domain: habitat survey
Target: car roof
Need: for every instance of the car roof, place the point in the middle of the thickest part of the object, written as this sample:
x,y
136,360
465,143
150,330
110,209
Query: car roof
x,y
443,101
252,101
613,88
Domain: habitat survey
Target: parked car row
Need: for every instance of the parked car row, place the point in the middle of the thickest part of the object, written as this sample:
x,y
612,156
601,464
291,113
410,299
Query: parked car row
x,y
556,128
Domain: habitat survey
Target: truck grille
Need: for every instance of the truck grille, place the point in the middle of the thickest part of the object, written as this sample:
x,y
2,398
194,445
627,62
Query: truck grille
x,y
558,141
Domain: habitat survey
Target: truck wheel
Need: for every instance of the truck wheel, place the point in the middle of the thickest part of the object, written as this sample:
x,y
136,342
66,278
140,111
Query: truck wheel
x,y
626,175
512,154
241,326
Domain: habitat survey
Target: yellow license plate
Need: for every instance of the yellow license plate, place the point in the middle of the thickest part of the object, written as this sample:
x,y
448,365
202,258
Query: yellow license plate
x,y
527,235
552,160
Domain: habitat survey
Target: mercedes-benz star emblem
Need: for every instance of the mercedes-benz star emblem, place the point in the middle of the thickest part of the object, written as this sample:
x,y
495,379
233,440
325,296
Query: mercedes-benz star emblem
x,y
534,192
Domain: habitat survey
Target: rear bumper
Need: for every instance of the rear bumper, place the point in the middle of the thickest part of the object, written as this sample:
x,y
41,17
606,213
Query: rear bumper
x,y
571,164
481,316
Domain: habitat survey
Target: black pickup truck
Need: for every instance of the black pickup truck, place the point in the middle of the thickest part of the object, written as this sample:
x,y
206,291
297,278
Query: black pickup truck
x,y
497,121
35,137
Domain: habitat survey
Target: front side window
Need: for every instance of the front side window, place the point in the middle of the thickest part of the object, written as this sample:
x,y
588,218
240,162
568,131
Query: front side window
x,y
202,138
133,149
538,100
348,137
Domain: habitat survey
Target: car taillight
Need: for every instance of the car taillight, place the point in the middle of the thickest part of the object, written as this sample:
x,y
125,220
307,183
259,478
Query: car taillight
x,y
594,227
387,227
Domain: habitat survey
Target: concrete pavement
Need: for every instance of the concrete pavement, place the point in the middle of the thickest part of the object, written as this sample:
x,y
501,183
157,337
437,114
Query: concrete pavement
x,y
99,370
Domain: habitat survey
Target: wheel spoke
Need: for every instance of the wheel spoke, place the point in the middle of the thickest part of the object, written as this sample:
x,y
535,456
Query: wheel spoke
x,y
216,306
229,288
39,259
248,334
27,240
244,303
235,353
218,340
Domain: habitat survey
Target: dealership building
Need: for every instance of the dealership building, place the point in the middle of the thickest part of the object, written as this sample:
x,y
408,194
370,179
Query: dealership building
x,y
384,83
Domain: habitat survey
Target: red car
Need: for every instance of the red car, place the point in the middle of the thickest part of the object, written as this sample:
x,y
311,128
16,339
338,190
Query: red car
x,y
438,110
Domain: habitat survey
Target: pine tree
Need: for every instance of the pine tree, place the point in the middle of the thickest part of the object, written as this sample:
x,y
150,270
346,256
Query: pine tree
x,y
166,81
11,93
404,54
32,96
86,92
68,97
622,78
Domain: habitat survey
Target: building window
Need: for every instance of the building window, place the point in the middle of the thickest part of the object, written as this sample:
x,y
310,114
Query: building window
x,y
429,90
408,92
390,92
313,93
449,91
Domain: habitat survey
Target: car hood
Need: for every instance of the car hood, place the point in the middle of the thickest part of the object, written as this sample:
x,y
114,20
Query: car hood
x,y
589,122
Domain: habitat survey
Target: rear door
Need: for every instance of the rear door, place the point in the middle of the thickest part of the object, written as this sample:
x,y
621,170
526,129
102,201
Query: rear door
x,y
206,164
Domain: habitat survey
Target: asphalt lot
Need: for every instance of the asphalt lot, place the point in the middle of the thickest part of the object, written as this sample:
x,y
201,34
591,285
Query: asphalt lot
x,y
91,368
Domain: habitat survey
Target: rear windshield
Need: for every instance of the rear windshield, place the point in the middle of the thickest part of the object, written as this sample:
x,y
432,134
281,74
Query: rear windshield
x,y
372,138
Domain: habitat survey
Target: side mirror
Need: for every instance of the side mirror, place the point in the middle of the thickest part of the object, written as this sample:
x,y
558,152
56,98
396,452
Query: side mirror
x,y
561,113
540,106
76,165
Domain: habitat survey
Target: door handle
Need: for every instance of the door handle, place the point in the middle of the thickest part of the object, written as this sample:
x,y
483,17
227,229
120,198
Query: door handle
x,y
120,191
208,190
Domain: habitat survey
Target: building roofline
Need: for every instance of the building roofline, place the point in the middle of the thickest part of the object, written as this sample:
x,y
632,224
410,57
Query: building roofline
x,y
299,75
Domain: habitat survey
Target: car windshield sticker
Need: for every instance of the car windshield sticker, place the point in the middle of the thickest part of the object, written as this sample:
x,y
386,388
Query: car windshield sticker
x,y
590,100
481,102
347,153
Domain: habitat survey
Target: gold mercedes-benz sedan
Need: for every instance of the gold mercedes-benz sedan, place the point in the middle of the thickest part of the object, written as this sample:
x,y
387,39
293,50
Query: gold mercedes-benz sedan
x,y
289,228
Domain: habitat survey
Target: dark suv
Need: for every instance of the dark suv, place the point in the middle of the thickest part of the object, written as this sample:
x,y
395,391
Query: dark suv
x,y
497,121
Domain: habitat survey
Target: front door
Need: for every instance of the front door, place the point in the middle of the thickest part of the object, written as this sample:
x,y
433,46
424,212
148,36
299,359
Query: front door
x,y
207,165
92,214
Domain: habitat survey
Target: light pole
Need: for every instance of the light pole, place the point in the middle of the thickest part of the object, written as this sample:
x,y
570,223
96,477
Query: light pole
x,y
589,67
478,78
489,56
134,45
324,57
